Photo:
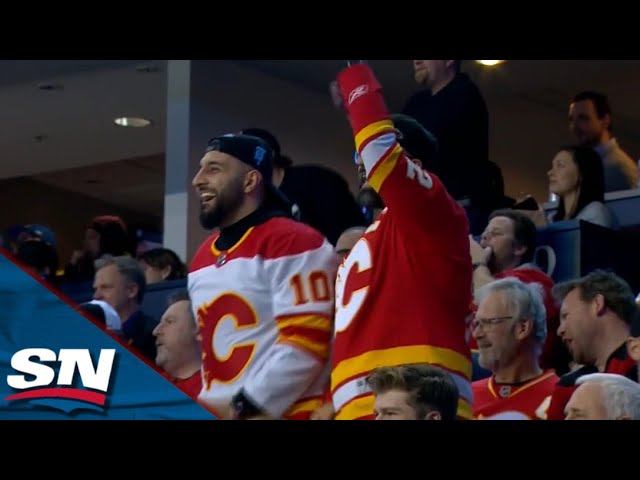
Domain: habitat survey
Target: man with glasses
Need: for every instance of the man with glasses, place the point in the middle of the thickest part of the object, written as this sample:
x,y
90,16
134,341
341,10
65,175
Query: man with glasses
x,y
506,249
510,330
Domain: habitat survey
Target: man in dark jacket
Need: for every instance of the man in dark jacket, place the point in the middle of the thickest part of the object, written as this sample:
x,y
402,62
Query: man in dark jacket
x,y
452,108
120,282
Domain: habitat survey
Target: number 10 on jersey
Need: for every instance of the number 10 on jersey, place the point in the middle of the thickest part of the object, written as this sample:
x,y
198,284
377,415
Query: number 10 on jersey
x,y
310,288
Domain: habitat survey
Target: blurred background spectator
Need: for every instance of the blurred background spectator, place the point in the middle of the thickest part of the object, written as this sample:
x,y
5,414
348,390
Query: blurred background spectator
x,y
160,264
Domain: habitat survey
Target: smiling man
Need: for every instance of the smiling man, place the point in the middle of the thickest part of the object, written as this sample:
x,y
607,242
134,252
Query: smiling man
x,y
595,323
261,290
510,329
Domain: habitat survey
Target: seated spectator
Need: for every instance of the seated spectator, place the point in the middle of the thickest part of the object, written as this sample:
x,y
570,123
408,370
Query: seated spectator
x,y
179,355
591,122
595,318
104,235
348,239
40,257
414,392
160,264
510,329
14,235
604,396
577,178
119,281
42,232
506,250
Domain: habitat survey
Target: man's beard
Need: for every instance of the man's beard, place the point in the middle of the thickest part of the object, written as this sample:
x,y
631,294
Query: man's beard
x,y
421,77
227,201
367,197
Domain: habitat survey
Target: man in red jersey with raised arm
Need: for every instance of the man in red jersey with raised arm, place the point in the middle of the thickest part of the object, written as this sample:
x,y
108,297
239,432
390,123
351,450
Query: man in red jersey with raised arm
x,y
261,290
402,292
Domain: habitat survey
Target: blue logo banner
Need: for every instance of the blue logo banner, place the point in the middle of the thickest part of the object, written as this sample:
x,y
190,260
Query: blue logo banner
x,y
56,364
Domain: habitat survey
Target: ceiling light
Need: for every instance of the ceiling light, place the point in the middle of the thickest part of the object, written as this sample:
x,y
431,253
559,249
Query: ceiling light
x,y
50,86
490,63
132,122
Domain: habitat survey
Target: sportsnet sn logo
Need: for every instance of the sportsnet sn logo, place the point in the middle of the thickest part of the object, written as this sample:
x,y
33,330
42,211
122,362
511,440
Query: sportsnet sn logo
x,y
40,384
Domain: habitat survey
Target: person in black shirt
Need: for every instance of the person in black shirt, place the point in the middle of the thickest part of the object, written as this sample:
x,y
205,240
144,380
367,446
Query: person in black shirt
x,y
452,108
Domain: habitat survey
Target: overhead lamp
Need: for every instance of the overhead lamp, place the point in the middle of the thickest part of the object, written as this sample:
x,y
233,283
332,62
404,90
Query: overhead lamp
x,y
490,63
135,122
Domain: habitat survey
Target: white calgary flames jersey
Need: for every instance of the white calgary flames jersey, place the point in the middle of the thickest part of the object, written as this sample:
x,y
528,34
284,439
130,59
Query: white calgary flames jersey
x,y
264,310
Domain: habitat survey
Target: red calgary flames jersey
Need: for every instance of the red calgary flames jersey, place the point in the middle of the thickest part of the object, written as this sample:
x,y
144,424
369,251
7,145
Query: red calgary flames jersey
x,y
531,398
402,293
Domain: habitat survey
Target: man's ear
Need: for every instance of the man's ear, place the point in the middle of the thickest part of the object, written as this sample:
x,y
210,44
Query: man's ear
x,y
132,291
165,272
523,329
599,304
251,180
450,63
519,250
433,415
416,162
633,347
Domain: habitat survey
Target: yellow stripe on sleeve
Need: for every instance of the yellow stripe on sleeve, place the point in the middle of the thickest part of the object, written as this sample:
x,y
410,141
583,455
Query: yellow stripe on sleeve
x,y
373,130
384,167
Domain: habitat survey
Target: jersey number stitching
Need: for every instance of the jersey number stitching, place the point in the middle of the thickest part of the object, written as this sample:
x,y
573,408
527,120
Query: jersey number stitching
x,y
318,286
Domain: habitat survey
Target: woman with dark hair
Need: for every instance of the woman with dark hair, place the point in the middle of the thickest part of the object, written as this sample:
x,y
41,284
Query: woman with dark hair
x,y
577,178
160,264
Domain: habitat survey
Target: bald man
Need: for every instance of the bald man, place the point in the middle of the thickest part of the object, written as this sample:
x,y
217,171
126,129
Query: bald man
x,y
348,239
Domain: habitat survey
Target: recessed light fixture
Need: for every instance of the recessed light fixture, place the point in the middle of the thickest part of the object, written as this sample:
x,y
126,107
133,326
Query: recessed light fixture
x,y
135,122
48,87
490,63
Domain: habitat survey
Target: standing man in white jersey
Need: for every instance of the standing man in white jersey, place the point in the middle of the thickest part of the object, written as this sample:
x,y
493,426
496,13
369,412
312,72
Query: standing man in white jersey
x,y
261,290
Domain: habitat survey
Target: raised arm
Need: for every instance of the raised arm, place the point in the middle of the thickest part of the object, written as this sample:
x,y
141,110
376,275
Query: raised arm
x,y
412,195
